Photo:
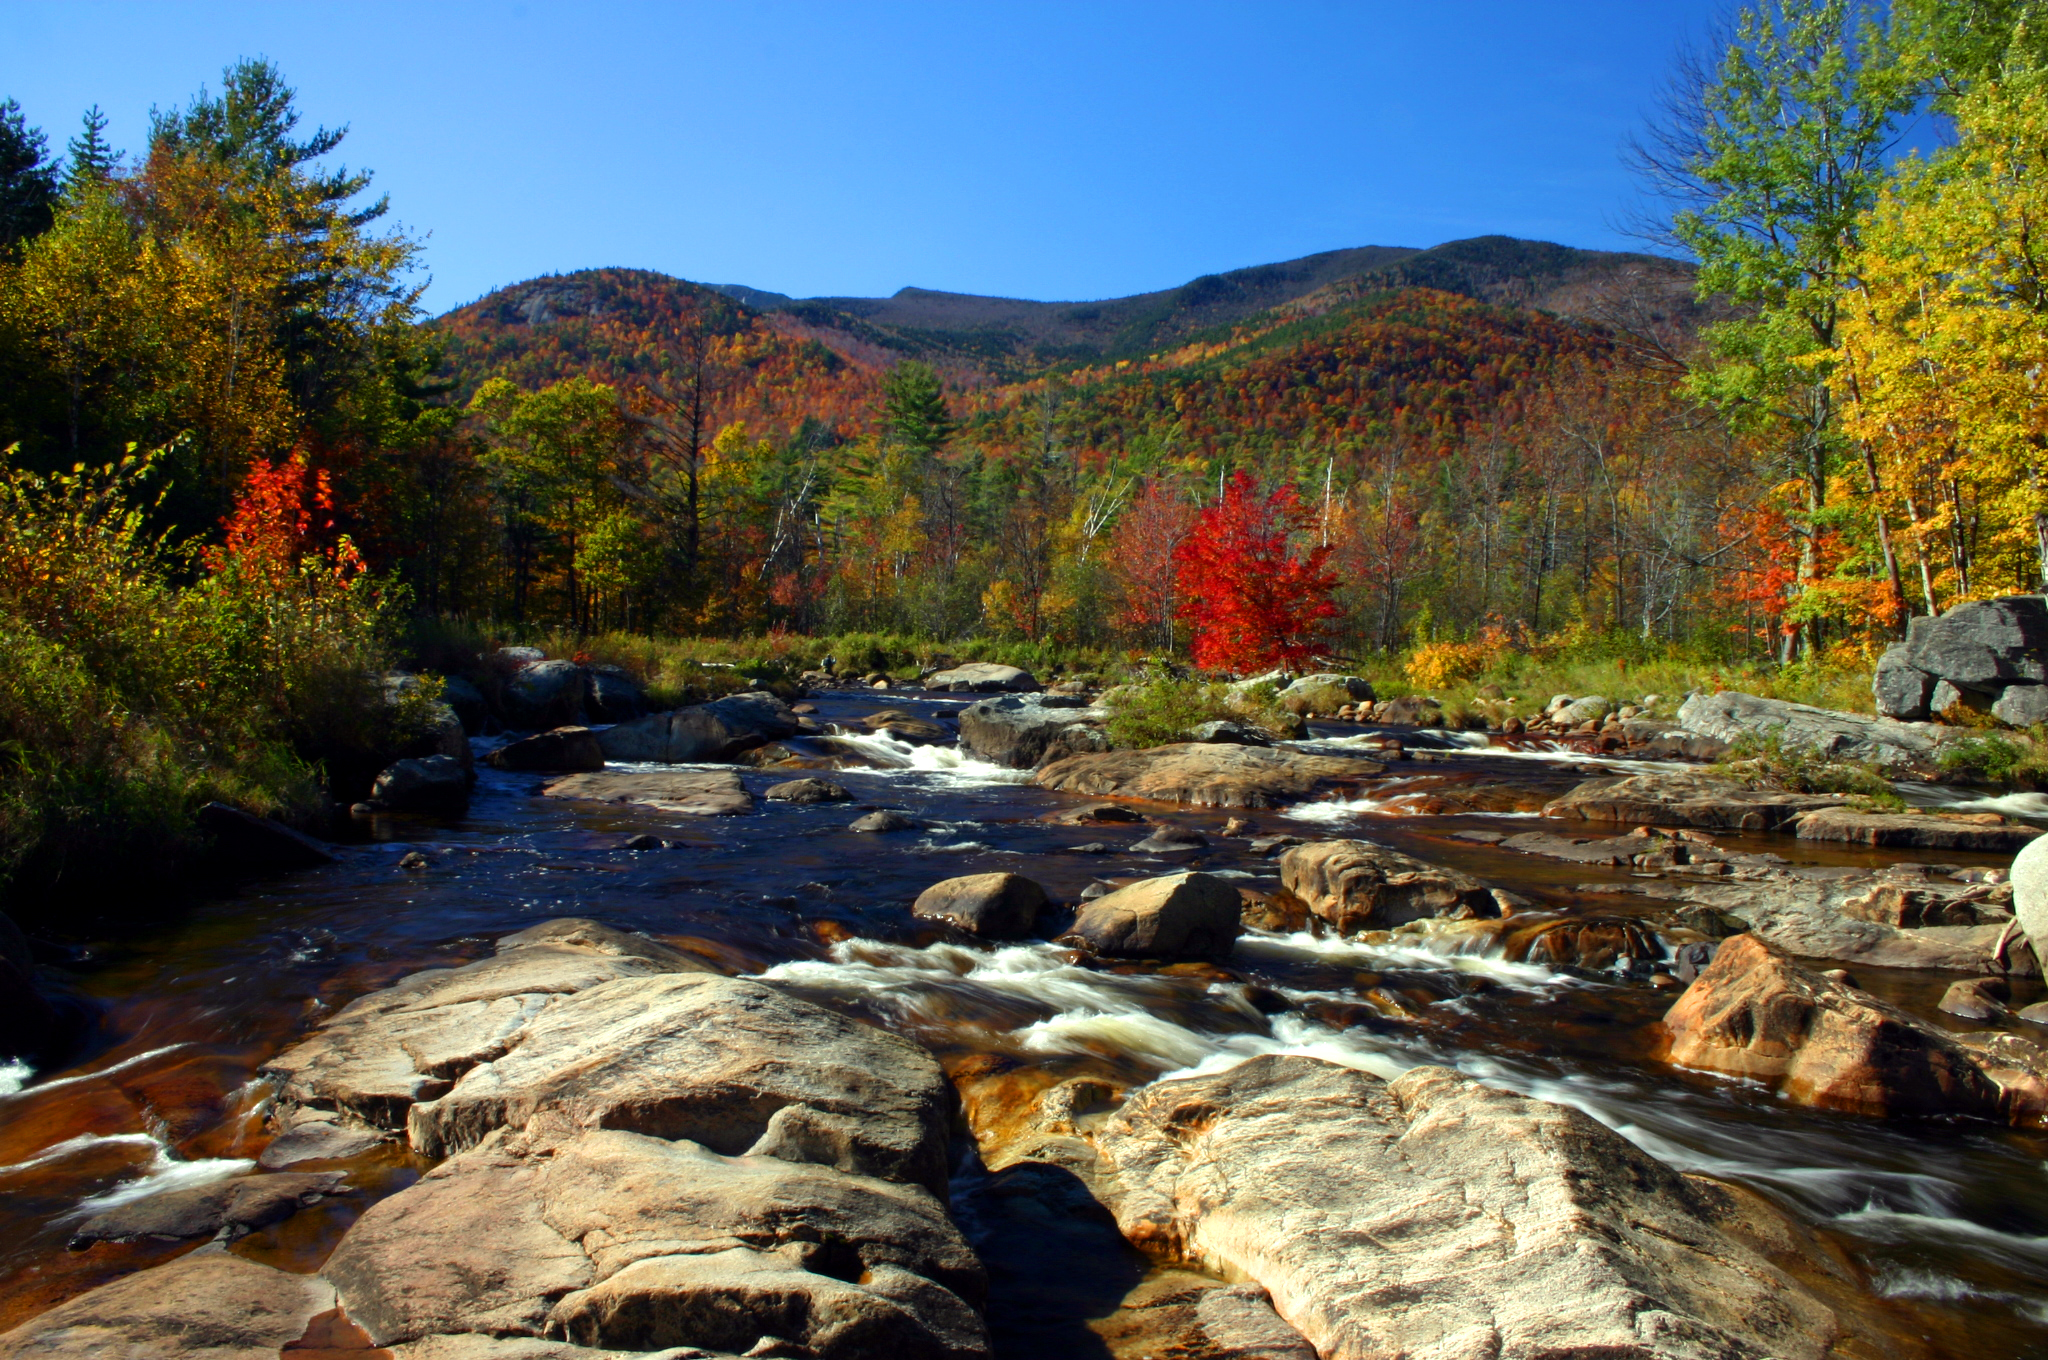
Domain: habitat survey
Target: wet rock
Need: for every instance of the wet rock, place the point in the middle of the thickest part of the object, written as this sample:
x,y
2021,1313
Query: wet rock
x,y
227,1208
1807,912
1208,775
1190,915
413,861
1266,847
563,749
1022,731
1356,885
320,1140
1909,907
1098,812
1683,800
983,677
994,906
1688,961
1757,1015
1230,734
1735,718
808,791
716,731
1590,708
544,694
1168,840
410,1041
1976,999
697,793
619,1239
645,842
207,1305
734,1065
1921,832
881,820
1505,1226
240,842
436,784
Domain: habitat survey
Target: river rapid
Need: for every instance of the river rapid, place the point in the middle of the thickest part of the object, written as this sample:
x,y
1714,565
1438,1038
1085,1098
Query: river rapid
x,y
1947,1221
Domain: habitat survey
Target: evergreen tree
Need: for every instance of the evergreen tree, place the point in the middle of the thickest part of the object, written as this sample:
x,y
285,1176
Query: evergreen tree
x,y
248,127
914,404
92,159
28,180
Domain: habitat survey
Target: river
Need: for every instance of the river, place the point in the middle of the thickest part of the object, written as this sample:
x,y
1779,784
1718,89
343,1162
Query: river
x,y
1948,1221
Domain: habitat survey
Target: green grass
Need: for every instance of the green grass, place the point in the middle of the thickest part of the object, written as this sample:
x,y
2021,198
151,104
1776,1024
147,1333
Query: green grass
x,y
1158,710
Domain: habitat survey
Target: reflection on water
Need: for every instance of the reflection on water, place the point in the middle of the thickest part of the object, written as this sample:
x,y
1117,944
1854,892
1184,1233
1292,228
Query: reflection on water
x,y
1949,1220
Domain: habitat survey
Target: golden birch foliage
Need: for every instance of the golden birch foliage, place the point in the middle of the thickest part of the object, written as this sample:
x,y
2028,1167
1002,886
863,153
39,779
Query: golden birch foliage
x,y
1944,343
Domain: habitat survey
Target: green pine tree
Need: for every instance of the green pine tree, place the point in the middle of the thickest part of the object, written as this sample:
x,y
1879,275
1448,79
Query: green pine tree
x,y
28,179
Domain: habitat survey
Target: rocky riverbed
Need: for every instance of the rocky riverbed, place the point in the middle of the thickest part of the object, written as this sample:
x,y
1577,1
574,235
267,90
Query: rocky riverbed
x,y
859,1044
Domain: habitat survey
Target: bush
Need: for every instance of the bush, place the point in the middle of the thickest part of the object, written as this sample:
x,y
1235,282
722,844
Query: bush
x,y
1766,764
1159,710
2005,759
127,701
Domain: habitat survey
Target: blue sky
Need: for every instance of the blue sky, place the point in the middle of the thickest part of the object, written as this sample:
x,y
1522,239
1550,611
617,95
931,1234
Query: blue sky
x,y
1041,149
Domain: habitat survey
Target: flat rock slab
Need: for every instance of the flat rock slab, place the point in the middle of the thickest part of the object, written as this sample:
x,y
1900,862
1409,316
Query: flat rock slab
x,y
1809,916
1503,1226
616,1239
735,1065
1684,800
1734,718
411,1041
698,793
1356,885
229,1208
207,1305
1923,833
1208,775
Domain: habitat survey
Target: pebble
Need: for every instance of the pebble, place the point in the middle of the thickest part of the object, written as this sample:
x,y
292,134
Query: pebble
x,y
413,860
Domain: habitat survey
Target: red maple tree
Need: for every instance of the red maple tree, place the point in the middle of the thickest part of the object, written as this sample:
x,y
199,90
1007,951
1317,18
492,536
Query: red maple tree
x,y
279,514
1141,560
1251,599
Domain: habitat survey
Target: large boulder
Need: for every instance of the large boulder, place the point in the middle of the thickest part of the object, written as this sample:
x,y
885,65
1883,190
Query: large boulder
x,y
618,1239
1736,718
2030,892
1209,774
1684,799
1356,885
1589,708
1755,1014
993,906
717,731
1436,1216
1023,731
467,702
565,749
1901,689
207,1305
1192,915
1410,710
983,677
1984,645
1324,693
612,696
241,842
696,793
434,784
2022,705
544,694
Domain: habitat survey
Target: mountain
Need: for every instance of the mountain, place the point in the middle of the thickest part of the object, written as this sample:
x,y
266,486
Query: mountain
x,y
1007,338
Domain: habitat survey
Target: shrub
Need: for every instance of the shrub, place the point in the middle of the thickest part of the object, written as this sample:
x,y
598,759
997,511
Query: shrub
x,y
2006,759
1160,709
1766,763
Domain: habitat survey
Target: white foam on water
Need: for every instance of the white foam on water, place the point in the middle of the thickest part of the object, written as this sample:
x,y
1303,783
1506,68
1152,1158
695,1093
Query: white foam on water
x,y
1331,811
121,1066
83,1142
941,764
1300,946
165,1172
14,1075
1960,800
1893,1225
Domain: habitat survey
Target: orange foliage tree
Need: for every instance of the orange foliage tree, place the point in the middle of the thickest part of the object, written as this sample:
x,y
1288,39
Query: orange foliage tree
x,y
1252,599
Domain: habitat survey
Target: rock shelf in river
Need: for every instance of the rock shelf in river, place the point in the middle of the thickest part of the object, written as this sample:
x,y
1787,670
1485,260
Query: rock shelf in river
x,y
696,793
1208,775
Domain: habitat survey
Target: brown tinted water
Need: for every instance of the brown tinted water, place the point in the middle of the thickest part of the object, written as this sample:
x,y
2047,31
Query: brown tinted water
x,y
1946,1220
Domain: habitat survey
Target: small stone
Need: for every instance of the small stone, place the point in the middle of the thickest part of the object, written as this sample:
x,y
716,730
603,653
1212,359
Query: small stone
x,y
1237,826
1663,980
802,709
884,820
995,906
1841,975
1091,848
1976,999
1095,890
645,842
413,860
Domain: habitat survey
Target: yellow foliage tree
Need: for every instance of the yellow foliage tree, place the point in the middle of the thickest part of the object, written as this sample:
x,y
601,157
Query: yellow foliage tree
x,y
1944,348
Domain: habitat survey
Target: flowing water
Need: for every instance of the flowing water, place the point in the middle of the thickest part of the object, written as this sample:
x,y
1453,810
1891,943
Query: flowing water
x,y
1947,1220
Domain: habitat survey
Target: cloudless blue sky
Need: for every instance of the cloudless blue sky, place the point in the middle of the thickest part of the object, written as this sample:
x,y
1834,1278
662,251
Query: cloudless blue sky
x,y
1030,149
